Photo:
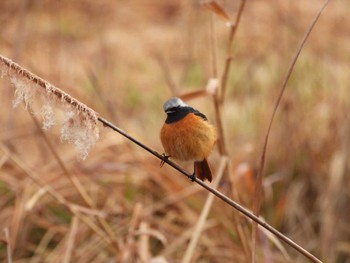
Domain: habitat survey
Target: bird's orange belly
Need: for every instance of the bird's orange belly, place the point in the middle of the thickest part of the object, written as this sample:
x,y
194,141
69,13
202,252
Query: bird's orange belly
x,y
189,139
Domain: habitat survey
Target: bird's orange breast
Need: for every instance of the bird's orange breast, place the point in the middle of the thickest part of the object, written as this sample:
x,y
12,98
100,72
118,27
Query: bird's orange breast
x,y
189,139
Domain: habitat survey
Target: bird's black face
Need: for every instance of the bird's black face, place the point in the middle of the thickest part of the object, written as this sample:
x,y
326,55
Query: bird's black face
x,y
177,113
176,110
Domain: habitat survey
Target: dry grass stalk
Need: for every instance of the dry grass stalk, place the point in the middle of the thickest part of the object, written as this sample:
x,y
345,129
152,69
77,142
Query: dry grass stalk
x,y
143,244
75,182
71,239
242,229
167,73
59,198
258,189
204,214
329,204
233,30
128,251
8,245
218,92
18,216
171,199
182,239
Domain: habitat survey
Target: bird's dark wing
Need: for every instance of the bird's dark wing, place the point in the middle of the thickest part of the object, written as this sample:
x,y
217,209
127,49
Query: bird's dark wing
x,y
198,113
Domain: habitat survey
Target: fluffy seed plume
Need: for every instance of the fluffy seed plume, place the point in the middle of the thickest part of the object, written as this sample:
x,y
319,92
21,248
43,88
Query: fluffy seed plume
x,y
79,126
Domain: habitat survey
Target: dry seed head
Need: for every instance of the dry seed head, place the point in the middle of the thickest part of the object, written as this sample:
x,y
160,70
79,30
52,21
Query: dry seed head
x,y
79,125
80,131
23,93
48,115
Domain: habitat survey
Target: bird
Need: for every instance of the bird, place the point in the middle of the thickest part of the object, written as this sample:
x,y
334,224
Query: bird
x,y
187,135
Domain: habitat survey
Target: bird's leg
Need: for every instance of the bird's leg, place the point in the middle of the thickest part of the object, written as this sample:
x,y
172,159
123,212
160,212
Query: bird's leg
x,y
165,158
193,176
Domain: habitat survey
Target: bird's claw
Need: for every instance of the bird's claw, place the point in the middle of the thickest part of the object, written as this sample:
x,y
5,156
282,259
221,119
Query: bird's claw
x,y
164,159
192,177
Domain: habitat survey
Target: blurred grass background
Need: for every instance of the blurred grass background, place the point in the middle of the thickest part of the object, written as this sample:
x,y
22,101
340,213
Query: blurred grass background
x,y
123,58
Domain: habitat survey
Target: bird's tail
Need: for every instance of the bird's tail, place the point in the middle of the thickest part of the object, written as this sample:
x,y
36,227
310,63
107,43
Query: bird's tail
x,y
202,170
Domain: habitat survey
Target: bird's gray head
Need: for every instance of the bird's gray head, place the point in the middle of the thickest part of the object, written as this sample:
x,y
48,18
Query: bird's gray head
x,y
172,104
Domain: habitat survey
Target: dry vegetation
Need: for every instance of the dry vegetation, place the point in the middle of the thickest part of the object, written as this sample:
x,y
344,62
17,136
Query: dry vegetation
x,y
124,59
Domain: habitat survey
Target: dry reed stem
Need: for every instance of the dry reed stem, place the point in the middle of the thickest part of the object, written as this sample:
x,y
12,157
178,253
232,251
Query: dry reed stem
x,y
143,244
164,66
182,239
217,9
58,197
204,214
242,230
8,245
18,214
221,139
213,46
214,86
258,189
233,30
337,172
145,230
193,94
127,248
71,238
87,250
217,89
74,181
331,197
43,244
219,94
171,199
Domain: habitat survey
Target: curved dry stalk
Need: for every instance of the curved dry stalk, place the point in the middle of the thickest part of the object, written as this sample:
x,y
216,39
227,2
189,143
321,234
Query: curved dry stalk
x,y
258,189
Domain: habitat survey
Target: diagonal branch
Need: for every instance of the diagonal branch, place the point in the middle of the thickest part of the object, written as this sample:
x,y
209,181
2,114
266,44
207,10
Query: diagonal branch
x,y
220,195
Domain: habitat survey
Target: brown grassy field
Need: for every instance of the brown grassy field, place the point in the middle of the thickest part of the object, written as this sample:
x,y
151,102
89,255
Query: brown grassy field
x,y
124,59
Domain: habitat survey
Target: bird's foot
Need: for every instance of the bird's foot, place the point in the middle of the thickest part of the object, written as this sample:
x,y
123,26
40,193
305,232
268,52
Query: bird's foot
x,y
164,159
192,177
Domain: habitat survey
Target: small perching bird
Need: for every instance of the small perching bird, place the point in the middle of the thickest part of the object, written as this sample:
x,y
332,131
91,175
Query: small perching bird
x,y
187,136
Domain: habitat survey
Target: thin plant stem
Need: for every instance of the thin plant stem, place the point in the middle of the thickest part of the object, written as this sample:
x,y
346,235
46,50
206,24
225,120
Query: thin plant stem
x,y
74,181
57,196
233,30
8,245
204,214
258,188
